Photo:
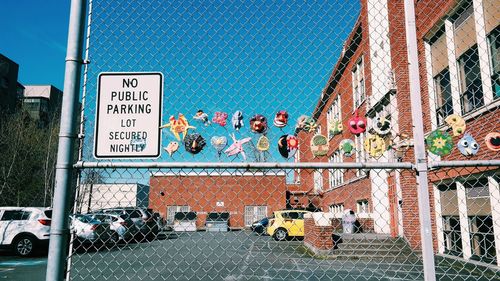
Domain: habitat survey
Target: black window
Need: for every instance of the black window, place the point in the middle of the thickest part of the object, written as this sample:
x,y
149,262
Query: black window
x,y
15,215
442,88
471,86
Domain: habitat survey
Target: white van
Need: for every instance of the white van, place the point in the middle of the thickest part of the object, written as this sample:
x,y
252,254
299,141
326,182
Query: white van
x,y
25,229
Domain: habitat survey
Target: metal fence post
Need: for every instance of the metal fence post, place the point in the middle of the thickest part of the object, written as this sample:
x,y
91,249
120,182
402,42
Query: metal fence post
x,y
419,144
59,230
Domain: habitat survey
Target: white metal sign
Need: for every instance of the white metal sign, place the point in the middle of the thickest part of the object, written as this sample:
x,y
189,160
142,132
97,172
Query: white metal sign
x,y
128,115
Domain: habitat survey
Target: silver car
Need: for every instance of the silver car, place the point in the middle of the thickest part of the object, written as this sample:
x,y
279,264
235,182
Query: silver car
x,y
123,228
88,230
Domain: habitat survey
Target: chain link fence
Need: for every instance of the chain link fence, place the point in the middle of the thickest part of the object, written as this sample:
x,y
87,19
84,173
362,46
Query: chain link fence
x,y
275,141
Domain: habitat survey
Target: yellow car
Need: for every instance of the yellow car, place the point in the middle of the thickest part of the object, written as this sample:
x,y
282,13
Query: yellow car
x,y
286,223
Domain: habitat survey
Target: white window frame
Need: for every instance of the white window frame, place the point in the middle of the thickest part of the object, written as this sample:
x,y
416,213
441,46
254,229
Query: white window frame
x,y
361,155
318,180
337,209
363,206
358,83
336,176
178,208
334,113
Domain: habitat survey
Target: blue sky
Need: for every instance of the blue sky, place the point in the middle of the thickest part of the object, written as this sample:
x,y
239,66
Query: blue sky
x,y
257,57
34,35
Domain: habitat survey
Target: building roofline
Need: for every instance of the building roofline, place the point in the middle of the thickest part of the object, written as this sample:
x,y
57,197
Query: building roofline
x,y
218,174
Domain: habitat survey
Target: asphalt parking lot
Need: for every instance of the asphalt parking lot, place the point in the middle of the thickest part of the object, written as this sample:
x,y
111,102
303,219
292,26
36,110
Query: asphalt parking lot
x,y
219,256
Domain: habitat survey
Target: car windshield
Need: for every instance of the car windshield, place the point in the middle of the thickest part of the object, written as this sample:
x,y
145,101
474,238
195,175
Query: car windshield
x,y
86,219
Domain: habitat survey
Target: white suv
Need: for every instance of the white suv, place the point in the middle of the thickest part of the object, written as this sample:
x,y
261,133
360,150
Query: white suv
x,y
25,229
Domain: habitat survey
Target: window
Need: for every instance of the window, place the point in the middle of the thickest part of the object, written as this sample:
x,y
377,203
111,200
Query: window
x,y
254,213
359,142
494,43
358,83
444,102
318,181
471,91
333,115
15,215
336,208
363,207
478,188
171,210
336,176
452,235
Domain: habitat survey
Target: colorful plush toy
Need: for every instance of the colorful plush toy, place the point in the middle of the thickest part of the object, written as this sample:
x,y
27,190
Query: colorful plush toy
x,y
281,119
178,126
335,128
220,118
456,123
219,143
263,143
346,146
306,123
381,125
492,141
172,147
194,143
288,145
258,124
357,124
467,145
202,116
319,145
237,147
375,146
237,120
439,143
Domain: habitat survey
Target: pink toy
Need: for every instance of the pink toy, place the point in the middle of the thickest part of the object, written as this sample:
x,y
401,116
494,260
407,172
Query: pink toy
x,y
237,147
220,118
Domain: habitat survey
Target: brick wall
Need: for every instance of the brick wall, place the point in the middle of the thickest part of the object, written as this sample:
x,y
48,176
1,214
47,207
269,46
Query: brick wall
x,y
317,238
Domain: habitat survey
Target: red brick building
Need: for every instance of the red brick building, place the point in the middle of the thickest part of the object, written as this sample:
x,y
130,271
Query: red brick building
x,y
247,196
458,45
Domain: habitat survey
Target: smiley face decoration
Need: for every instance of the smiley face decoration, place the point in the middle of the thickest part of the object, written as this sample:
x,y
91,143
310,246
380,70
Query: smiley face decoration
x,y
456,123
357,124
258,124
375,146
319,145
263,144
288,145
467,145
346,147
492,141
335,128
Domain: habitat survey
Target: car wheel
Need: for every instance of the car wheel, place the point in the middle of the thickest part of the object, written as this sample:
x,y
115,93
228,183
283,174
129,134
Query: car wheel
x,y
24,246
280,234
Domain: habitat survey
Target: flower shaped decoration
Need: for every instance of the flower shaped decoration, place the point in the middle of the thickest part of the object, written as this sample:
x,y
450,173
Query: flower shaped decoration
x,y
319,145
281,119
467,145
172,147
381,125
346,147
336,127
237,120
306,123
375,146
357,124
263,143
194,143
258,124
219,143
178,126
439,143
237,147
288,145
492,141
456,123
220,118
202,116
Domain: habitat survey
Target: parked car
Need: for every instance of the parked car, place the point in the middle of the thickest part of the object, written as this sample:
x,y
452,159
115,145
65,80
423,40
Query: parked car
x,y
185,221
287,223
260,226
25,229
142,217
88,230
123,228
217,222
